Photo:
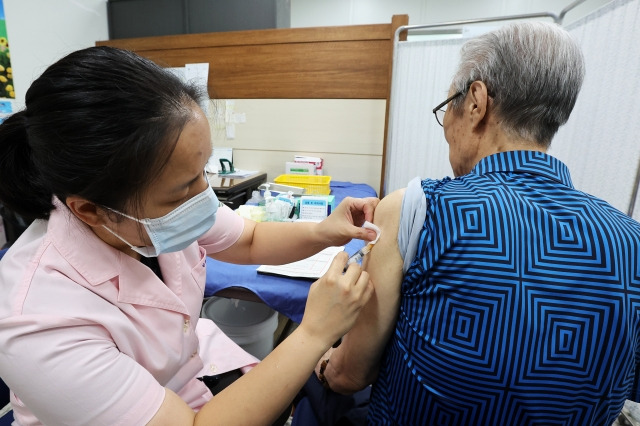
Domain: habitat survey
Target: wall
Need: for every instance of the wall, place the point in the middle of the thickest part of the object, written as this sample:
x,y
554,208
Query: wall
x,y
42,31
259,145
348,134
170,17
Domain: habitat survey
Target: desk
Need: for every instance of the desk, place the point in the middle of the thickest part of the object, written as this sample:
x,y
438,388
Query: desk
x,y
234,191
285,295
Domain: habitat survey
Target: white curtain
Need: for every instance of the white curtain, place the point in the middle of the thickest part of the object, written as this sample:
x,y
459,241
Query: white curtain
x,y
421,78
601,141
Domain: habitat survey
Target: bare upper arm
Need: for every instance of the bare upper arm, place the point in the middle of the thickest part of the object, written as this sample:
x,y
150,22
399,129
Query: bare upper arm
x,y
240,251
384,263
173,411
355,363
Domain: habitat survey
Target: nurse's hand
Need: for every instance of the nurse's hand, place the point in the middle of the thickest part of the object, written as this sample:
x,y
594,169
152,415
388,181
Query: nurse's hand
x,y
335,300
345,222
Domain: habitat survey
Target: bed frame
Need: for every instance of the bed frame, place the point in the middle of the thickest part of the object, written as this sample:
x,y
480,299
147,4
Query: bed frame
x,y
342,62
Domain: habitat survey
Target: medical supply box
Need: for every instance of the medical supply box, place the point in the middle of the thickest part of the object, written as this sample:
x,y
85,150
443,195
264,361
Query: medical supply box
x,y
313,185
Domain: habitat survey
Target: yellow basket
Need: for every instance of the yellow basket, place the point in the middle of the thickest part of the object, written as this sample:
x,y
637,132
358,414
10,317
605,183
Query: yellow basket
x,y
312,184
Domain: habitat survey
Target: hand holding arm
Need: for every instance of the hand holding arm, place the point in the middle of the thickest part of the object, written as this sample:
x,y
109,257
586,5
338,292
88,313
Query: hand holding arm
x,y
345,223
354,364
276,243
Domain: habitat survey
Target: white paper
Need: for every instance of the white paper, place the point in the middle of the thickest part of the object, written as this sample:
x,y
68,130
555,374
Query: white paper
x,y
231,131
312,267
199,75
240,173
238,117
229,107
178,72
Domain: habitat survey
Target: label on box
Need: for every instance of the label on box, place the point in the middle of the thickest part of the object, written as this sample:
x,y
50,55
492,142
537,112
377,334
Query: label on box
x,y
316,161
313,208
293,168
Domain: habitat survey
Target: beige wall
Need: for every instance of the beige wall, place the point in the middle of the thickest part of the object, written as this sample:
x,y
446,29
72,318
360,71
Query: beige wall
x,y
42,31
347,134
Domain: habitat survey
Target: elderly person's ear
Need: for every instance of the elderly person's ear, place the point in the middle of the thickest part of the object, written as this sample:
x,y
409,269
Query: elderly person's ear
x,y
478,98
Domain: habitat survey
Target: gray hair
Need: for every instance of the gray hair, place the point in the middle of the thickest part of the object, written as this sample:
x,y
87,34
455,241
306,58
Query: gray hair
x,y
533,72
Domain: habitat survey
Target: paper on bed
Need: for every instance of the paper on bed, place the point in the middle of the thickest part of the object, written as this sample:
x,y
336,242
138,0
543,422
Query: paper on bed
x,y
312,267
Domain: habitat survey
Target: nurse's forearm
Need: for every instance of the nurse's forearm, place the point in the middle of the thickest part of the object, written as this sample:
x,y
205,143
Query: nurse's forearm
x,y
274,243
278,242
284,242
262,394
258,397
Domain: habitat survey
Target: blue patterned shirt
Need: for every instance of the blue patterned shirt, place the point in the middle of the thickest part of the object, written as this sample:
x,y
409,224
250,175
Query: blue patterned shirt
x,y
521,306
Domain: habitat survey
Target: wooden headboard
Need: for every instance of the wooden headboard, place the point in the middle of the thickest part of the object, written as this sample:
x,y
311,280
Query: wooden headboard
x,y
342,62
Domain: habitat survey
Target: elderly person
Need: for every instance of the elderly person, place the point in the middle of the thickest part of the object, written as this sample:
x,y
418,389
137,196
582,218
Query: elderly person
x,y
503,296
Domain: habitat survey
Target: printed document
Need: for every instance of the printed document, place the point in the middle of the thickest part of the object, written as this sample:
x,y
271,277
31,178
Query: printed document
x,y
312,267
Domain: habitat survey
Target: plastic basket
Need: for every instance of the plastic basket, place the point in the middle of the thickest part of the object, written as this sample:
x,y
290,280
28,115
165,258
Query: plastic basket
x,y
312,184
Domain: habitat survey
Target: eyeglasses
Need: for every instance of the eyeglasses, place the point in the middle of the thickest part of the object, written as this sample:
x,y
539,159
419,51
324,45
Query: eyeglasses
x,y
439,112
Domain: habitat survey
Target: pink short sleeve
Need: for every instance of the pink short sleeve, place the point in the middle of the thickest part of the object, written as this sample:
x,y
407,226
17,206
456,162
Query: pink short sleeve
x,y
72,374
224,233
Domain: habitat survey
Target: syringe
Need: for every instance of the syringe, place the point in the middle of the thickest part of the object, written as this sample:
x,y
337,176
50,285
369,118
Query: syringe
x,y
360,254
357,256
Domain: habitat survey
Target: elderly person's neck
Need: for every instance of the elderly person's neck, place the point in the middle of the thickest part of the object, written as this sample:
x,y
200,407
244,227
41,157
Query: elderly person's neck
x,y
474,132
496,140
492,140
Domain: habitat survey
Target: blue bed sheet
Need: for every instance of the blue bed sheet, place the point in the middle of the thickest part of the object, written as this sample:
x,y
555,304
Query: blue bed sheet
x,y
285,295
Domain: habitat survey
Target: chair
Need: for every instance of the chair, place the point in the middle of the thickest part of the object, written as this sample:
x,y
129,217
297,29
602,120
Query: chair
x,y
14,225
6,413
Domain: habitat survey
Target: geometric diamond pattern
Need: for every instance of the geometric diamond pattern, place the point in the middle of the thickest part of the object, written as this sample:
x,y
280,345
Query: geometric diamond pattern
x,y
522,306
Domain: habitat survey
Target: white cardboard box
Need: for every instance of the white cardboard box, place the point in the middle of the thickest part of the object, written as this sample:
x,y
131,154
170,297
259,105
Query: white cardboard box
x,y
316,161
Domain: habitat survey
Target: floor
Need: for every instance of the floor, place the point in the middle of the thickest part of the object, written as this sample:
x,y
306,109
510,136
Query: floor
x,y
630,415
285,328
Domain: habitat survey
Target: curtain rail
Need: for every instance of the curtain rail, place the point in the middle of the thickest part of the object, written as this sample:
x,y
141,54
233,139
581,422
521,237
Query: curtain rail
x,y
556,18
634,193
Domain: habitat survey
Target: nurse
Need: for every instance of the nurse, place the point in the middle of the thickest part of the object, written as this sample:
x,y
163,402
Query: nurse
x,y
102,293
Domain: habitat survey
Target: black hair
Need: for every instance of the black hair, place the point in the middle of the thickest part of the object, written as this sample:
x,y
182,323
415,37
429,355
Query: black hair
x,y
100,123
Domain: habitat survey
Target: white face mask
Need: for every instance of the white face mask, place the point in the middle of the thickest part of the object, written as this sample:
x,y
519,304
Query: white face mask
x,y
179,228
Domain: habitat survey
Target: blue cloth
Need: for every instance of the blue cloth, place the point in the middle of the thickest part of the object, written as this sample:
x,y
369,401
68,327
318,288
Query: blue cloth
x,y
7,419
5,398
317,406
520,308
286,295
